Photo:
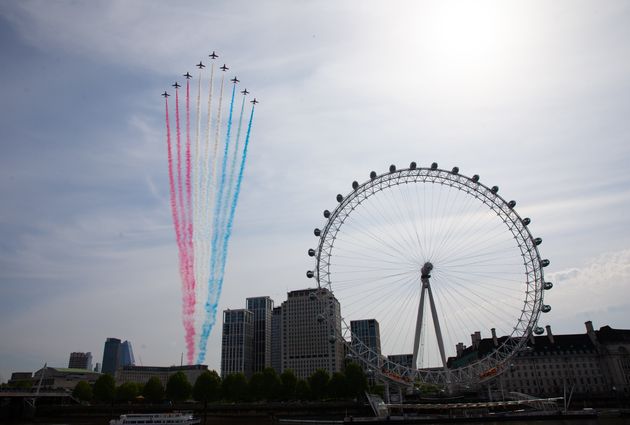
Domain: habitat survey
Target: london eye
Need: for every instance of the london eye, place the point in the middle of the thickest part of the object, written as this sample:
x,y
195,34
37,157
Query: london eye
x,y
437,260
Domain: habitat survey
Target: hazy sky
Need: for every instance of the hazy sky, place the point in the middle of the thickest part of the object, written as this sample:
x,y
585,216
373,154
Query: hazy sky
x,y
534,96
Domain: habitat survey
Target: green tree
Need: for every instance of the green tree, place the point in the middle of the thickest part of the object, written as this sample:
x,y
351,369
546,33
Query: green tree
x,y
207,387
153,390
235,388
302,390
318,382
82,391
257,386
288,381
178,388
105,388
356,379
127,392
272,383
338,386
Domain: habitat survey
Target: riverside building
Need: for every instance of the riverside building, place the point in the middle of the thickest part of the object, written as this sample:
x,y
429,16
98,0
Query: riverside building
x,y
262,308
237,342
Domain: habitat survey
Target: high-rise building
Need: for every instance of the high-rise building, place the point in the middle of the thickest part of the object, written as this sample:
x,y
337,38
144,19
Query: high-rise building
x,y
367,331
262,308
311,321
237,342
111,355
80,361
401,359
126,355
276,339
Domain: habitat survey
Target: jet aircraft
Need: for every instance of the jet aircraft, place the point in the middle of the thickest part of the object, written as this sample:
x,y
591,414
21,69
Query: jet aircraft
x,y
200,65
245,92
165,94
235,80
213,55
188,76
176,85
255,101
224,68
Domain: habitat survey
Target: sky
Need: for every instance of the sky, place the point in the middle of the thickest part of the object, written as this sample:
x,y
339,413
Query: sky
x,y
532,95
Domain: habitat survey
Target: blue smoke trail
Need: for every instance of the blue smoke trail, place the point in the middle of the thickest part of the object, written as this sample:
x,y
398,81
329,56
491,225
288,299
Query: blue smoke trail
x,y
231,181
228,233
213,289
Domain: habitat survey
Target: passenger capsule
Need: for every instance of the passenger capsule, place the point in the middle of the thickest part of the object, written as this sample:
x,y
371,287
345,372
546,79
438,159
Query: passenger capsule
x,y
310,274
494,189
538,330
355,184
373,175
317,232
546,308
475,178
392,168
455,170
526,221
537,241
544,263
312,296
311,252
547,285
339,197
512,204
434,166
326,213
412,166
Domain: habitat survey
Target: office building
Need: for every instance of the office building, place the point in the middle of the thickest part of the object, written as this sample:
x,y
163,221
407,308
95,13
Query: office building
x,y
80,361
126,354
401,359
111,356
592,365
311,324
237,342
142,374
261,307
117,354
367,332
276,339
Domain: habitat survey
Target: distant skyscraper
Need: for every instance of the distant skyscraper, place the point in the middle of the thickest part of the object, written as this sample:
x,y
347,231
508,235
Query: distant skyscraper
x,y
126,355
111,355
276,339
368,332
237,342
261,307
402,359
311,318
80,361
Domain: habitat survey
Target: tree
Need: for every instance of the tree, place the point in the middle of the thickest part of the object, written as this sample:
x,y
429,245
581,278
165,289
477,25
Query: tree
x,y
127,392
318,382
177,387
338,386
235,388
153,390
257,386
272,383
356,379
288,381
302,390
207,387
105,388
82,391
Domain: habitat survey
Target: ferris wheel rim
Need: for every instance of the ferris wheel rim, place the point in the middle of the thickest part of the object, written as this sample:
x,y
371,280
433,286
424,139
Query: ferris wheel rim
x,y
526,243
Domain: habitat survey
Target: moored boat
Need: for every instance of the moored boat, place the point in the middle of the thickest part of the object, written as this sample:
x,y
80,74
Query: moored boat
x,y
177,418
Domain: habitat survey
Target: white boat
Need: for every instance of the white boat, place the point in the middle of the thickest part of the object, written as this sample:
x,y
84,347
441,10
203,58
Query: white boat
x,y
179,418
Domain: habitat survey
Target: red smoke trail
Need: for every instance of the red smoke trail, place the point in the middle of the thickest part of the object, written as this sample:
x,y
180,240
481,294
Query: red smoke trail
x,y
182,236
